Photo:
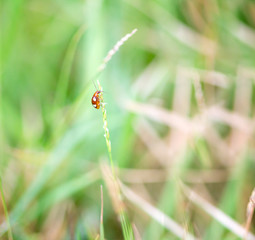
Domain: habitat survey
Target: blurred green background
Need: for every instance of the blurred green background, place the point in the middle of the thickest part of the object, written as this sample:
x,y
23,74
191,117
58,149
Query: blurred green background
x,y
180,102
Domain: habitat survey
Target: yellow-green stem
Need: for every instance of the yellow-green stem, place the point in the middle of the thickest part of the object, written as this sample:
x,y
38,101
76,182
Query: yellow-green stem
x,y
106,130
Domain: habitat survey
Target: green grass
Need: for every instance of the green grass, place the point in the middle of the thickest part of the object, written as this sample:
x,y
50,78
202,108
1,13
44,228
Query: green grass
x,y
52,149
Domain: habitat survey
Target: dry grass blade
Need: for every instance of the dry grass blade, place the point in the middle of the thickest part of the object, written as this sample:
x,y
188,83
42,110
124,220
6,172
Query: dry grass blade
x,y
233,119
116,197
161,175
244,34
213,78
172,119
136,233
143,175
156,214
113,188
163,116
217,214
115,49
250,211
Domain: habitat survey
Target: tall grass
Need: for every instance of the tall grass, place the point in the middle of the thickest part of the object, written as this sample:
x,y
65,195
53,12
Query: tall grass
x,y
125,224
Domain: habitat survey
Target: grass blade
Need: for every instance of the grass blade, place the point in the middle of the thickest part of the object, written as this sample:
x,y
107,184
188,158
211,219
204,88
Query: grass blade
x,y
66,67
156,214
217,214
6,211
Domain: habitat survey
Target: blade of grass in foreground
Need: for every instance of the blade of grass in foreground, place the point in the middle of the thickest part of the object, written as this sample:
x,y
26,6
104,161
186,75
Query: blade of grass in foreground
x,y
6,211
116,197
217,214
156,214
229,201
250,212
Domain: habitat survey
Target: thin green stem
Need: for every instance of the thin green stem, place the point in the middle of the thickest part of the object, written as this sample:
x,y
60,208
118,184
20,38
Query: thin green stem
x,y
106,130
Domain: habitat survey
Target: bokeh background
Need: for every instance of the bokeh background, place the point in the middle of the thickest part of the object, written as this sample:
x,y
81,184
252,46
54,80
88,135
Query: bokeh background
x,y
180,107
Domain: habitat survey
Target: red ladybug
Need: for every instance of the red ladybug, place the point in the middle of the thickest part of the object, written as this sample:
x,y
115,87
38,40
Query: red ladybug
x,y
95,100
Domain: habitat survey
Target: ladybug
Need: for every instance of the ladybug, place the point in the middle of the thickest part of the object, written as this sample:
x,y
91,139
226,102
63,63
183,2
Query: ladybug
x,y
95,100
